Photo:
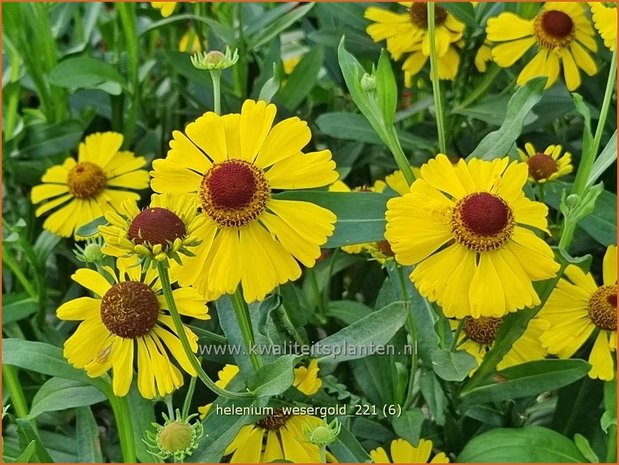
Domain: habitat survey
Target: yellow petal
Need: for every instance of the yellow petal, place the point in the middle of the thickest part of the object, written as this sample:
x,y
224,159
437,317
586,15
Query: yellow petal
x,y
82,308
46,191
508,26
286,139
99,148
255,124
303,171
601,360
610,266
92,281
209,135
123,368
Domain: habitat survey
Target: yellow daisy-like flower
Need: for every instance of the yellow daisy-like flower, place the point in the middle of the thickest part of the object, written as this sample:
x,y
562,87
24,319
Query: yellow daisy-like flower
x,y
306,379
225,375
166,8
190,42
468,229
126,321
561,32
578,308
231,164
547,165
277,437
605,20
408,33
403,451
163,230
478,335
84,190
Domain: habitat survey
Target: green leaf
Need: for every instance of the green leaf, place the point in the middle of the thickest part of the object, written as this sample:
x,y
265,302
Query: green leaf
x,y
46,359
302,80
433,394
270,87
386,88
46,140
273,378
27,435
532,444
463,11
607,157
452,366
587,136
610,405
585,449
225,33
347,311
350,126
267,17
92,228
498,143
16,307
360,215
527,379
87,73
27,454
269,304
364,337
347,449
408,425
142,418
60,394
87,436
278,25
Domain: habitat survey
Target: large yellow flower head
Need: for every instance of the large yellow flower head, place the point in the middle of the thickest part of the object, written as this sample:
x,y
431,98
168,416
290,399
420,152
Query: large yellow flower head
x,y
403,451
605,20
408,33
547,165
276,437
468,229
84,190
127,321
166,229
231,164
578,308
477,336
561,34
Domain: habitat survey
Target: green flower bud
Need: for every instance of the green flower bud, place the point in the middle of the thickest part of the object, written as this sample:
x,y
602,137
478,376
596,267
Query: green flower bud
x,y
215,60
325,433
368,83
177,438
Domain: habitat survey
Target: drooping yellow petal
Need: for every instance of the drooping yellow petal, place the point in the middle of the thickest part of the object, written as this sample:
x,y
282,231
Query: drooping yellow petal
x,y
123,367
601,359
610,266
286,139
303,171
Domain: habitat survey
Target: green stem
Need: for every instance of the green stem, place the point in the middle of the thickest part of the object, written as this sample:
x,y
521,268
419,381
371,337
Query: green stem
x,y
399,156
410,326
456,336
122,414
128,20
216,338
322,311
241,311
8,259
216,78
182,335
323,454
611,450
487,82
588,157
13,97
436,85
11,381
189,396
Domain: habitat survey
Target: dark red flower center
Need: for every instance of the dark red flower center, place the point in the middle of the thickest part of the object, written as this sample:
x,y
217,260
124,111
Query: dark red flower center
x,y
419,15
485,214
557,24
541,166
274,421
482,330
156,226
603,308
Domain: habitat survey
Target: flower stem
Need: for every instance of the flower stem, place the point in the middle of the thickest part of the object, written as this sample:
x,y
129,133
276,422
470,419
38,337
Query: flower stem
x,y
410,326
588,156
487,81
243,318
182,335
128,20
122,414
11,381
189,396
436,85
216,78
611,450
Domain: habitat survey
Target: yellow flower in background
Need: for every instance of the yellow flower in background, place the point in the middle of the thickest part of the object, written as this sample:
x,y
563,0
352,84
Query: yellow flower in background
x,y
477,337
403,451
605,20
277,437
306,379
291,63
407,33
127,322
468,229
231,164
225,375
578,308
166,8
190,42
83,190
163,230
483,56
562,35
547,165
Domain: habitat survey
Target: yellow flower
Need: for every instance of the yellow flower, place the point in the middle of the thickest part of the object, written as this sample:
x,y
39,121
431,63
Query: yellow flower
x,y
166,8
408,33
231,164
547,165
306,379
86,189
561,32
291,63
578,308
477,337
483,56
190,42
403,451
126,321
605,20
163,230
226,374
277,437
468,229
